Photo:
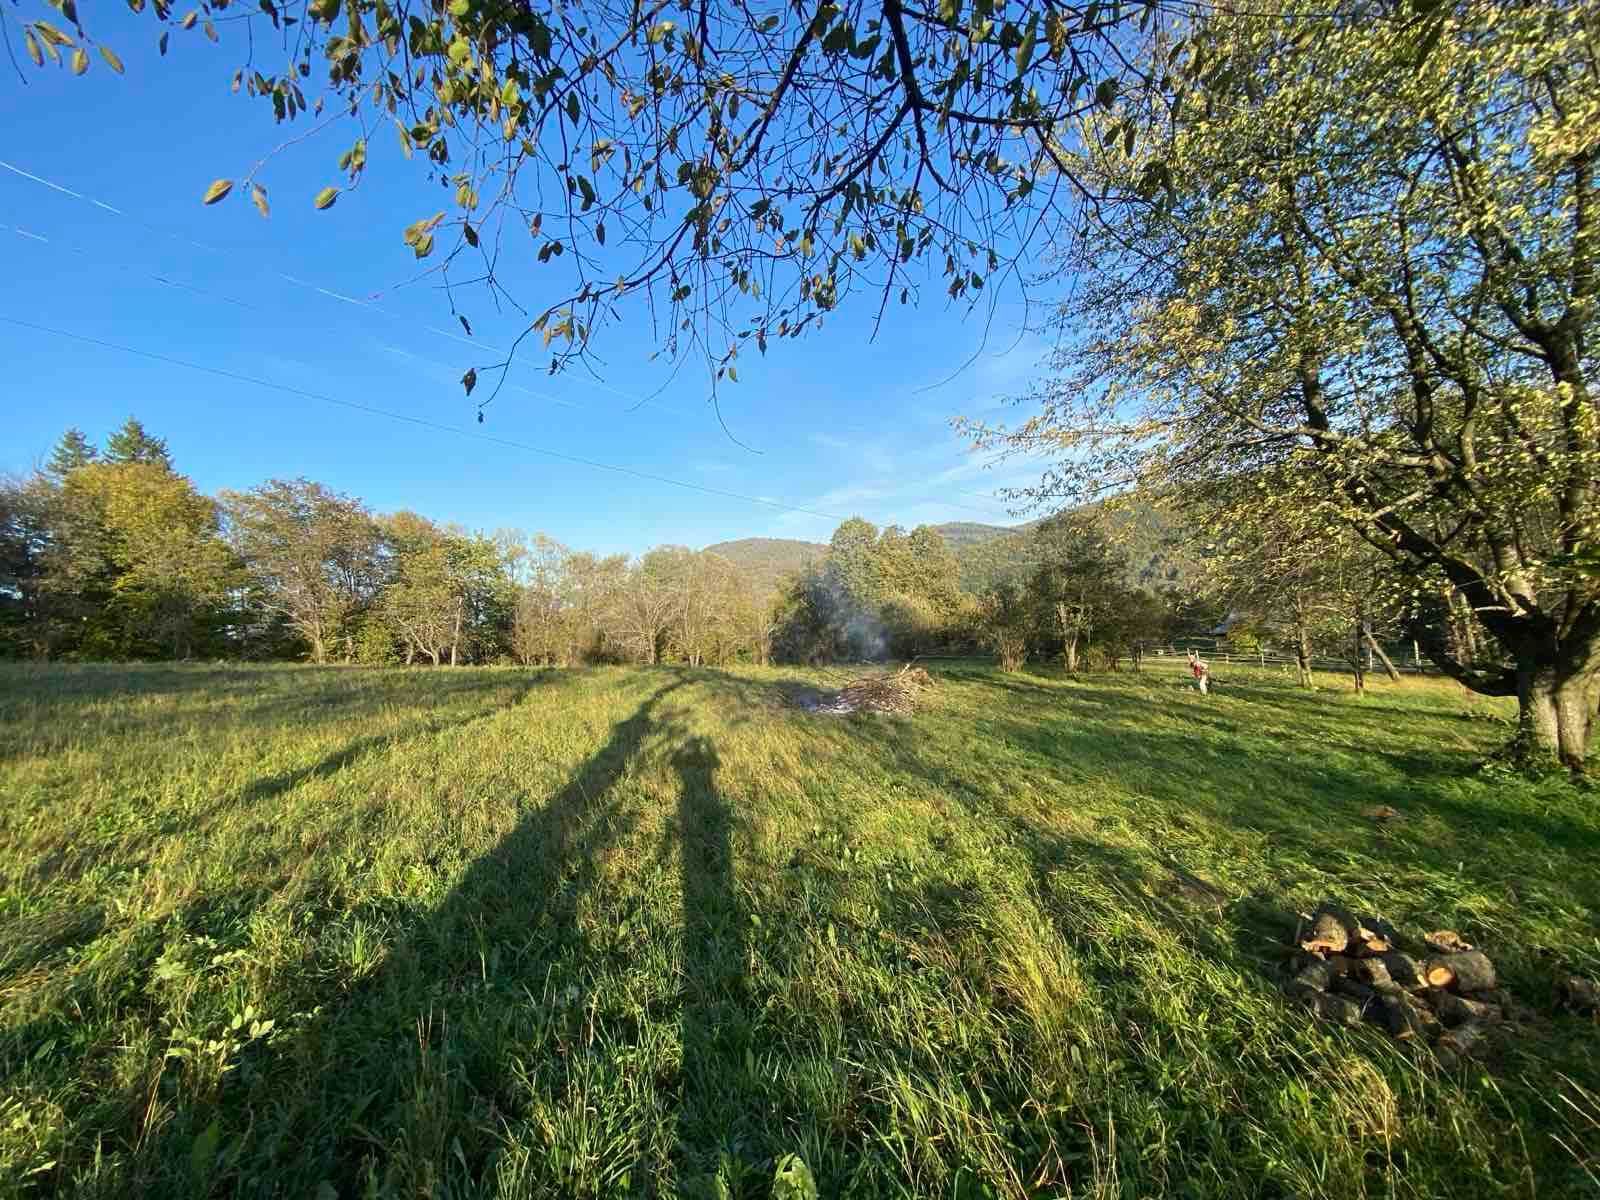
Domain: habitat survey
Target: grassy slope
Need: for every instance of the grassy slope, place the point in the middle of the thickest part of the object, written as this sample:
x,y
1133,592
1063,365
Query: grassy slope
x,y
624,930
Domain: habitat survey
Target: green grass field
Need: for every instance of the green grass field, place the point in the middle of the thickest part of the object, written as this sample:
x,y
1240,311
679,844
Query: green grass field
x,y
314,932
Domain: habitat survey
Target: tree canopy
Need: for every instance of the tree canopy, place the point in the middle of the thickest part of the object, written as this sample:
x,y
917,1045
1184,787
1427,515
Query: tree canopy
x,y
736,170
131,444
1357,278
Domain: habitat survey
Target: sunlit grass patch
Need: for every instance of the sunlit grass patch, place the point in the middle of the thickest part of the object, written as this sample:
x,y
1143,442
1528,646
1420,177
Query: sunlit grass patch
x,y
621,931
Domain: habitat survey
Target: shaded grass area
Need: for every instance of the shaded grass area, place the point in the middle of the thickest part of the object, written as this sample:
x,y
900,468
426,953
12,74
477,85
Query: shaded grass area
x,y
292,931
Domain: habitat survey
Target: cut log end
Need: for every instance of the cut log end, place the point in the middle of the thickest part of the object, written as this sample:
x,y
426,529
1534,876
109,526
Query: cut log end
x,y
1341,1010
1469,971
1333,929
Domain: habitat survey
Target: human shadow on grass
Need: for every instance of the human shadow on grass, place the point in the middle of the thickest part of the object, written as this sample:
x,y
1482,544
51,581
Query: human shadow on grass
x,y
717,1115
488,1001
435,1075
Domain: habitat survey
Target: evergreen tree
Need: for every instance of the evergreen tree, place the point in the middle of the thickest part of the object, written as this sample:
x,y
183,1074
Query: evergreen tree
x,y
74,450
132,444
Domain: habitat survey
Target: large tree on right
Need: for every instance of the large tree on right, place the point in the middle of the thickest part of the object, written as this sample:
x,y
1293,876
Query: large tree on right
x,y
1356,256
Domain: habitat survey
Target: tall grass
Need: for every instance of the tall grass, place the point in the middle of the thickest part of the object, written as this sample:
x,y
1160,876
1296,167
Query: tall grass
x,y
321,932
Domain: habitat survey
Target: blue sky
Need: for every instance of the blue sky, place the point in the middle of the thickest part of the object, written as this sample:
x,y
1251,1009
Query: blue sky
x,y
844,425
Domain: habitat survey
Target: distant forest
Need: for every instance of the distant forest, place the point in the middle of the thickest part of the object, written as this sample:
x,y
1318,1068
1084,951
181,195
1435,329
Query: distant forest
x,y
109,552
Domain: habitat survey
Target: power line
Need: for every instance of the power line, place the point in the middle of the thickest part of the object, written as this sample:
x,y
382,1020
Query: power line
x,y
423,422
169,282
370,306
329,293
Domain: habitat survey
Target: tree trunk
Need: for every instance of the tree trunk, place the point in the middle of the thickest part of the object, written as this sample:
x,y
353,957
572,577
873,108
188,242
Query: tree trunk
x,y
455,634
1355,653
1374,648
1302,654
1556,714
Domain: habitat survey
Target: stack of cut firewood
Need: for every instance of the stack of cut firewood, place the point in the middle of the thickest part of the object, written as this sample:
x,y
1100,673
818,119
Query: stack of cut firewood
x,y
1348,969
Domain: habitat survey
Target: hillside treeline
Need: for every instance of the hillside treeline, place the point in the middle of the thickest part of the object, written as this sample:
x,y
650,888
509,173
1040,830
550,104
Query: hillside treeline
x,y
113,554
110,553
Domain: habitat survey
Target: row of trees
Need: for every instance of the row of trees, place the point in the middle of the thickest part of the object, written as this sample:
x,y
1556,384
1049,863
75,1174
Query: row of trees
x,y
875,594
1068,595
113,554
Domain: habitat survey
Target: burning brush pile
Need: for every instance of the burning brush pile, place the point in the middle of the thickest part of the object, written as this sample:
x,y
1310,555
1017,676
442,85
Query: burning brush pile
x,y
1348,969
894,693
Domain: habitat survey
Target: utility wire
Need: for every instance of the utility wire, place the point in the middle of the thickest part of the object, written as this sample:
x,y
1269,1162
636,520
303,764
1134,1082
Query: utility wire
x,y
419,421
169,282
245,304
356,302
370,306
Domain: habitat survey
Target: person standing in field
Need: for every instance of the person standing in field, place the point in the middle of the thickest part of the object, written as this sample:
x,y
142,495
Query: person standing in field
x,y
1201,672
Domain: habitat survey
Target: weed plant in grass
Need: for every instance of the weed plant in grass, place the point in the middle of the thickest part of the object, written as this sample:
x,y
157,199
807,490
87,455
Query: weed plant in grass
x,y
317,932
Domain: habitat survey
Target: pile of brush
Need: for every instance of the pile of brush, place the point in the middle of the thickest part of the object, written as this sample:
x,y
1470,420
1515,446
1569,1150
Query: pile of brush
x,y
894,693
1348,969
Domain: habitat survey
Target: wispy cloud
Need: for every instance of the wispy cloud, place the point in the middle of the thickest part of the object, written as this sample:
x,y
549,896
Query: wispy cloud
x,y
877,455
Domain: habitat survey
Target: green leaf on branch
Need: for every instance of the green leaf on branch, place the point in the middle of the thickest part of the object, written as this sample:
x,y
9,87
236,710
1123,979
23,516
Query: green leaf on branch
x,y
218,189
326,197
52,35
1025,53
258,197
111,58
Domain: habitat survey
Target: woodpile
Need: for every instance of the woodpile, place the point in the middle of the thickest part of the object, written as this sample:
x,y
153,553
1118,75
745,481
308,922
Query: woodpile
x,y
1348,968
893,693
1581,995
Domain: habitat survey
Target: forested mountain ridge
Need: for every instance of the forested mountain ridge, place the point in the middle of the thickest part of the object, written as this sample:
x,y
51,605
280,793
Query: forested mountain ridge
x,y
987,553
768,561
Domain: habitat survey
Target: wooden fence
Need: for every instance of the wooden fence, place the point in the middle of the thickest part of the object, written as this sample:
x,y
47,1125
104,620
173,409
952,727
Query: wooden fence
x,y
1407,661
1219,654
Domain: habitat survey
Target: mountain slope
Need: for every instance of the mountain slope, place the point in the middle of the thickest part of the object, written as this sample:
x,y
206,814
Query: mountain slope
x,y
958,535
767,560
